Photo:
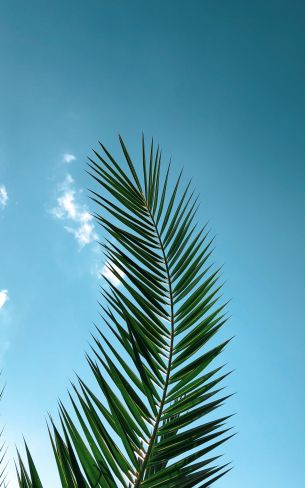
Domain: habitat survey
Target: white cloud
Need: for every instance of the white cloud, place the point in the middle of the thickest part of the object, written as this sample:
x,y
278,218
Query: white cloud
x,y
108,273
84,234
77,218
3,196
68,158
66,205
67,182
3,297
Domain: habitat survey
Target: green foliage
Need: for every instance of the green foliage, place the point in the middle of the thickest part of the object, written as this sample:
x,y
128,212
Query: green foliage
x,y
152,423
3,462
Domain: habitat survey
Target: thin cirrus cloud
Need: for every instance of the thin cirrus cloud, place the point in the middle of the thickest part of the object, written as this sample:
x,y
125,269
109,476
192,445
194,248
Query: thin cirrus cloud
x,y
78,221
4,297
3,196
75,216
68,158
107,272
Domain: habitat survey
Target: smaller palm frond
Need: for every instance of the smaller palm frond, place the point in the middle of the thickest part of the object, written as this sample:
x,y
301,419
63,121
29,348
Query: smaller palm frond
x,y
3,451
27,479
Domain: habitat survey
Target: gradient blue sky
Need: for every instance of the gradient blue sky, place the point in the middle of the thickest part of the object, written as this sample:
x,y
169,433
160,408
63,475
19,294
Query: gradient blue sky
x,y
221,86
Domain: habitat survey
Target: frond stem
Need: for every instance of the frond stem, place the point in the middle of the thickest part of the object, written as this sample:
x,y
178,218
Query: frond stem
x,y
141,472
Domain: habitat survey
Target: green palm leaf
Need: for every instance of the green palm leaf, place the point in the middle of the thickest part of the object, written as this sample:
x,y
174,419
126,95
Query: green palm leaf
x,y
151,425
3,450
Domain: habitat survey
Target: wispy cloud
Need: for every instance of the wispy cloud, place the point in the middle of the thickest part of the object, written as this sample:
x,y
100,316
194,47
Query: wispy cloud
x,y
68,158
3,196
76,217
107,271
4,297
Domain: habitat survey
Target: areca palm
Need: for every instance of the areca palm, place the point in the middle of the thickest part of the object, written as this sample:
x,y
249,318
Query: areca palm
x,y
152,422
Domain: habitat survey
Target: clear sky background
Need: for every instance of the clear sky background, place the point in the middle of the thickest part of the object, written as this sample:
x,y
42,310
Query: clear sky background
x,y
221,86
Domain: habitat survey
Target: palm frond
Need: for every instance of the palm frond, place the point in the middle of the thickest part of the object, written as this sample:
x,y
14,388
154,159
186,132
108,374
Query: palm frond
x,y
25,479
3,452
151,424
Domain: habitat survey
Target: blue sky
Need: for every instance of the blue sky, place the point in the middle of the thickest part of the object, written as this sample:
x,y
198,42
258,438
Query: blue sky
x,y
221,86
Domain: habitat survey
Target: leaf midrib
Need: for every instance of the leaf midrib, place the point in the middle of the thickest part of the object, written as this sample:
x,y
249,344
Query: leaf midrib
x,y
141,473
